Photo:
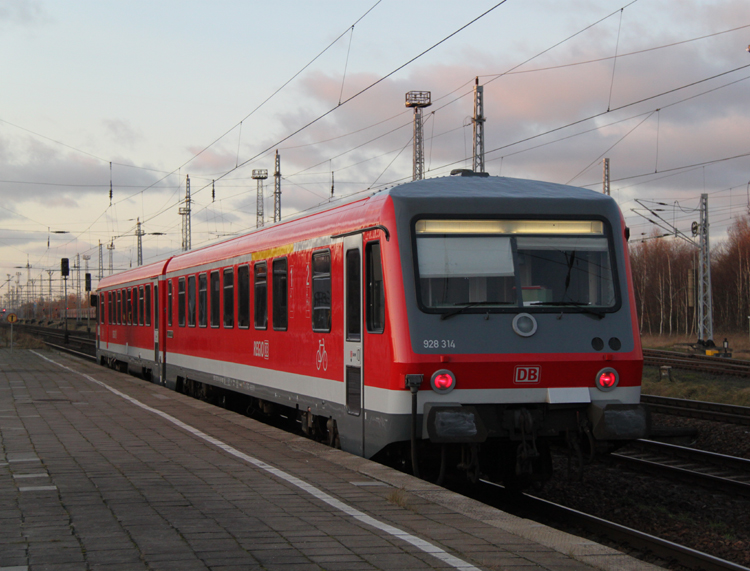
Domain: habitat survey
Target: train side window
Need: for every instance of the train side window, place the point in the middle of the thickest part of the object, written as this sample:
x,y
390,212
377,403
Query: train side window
x,y
133,298
215,298
101,305
191,298
147,317
141,301
118,308
321,291
375,292
261,296
156,306
229,298
353,296
280,297
169,303
181,302
243,297
202,300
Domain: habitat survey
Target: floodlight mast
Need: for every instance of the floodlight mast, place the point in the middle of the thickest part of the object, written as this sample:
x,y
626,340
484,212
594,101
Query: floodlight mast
x,y
260,175
418,100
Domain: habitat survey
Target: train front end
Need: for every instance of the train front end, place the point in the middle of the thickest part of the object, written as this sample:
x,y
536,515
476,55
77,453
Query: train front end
x,y
522,327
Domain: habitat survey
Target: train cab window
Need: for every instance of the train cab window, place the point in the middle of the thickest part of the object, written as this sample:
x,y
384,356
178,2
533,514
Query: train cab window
x,y
261,296
147,317
181,302
321,291
215,285
374,290
141,306
280,297
504,265
202,300
101,306
243,297
229,298
169,303
156,306
353,296
191,301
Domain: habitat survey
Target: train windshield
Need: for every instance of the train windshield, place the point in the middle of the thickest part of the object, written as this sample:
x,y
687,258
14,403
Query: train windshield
x,y
502,265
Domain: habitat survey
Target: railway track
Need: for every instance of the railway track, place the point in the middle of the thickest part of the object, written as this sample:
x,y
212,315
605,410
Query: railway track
x,y
557,515
717,471
80,343
717,412
701,363
667,550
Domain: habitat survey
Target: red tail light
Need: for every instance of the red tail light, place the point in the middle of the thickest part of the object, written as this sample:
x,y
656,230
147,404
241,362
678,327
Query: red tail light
x,y
443,381
607,379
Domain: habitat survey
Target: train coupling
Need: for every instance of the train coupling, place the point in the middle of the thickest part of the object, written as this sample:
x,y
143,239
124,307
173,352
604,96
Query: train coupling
x,y
447,423
612,420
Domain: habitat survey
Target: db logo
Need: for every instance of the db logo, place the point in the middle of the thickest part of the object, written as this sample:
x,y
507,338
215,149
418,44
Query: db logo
x,y
527,374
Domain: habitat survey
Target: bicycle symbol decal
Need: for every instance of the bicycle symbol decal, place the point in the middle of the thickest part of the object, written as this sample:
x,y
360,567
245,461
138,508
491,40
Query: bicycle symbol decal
x,y
321,357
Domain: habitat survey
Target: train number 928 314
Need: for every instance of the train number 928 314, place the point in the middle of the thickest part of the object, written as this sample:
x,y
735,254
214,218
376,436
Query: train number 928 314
x,y
439,344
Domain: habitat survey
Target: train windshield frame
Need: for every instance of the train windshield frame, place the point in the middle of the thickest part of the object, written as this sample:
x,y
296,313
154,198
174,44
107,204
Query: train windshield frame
x,y
513,265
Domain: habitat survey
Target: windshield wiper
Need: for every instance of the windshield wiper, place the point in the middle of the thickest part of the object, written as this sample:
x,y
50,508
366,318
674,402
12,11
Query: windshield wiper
x,y
471,304
585,308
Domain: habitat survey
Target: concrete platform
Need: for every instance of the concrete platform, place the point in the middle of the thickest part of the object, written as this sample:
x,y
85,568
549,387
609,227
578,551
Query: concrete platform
x,y
103,471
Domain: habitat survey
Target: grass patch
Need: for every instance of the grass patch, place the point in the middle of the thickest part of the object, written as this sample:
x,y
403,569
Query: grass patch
x,y
20,340
693,385
398,497
697,386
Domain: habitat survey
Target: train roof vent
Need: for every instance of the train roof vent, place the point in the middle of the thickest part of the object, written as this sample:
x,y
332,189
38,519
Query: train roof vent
x,y
468,172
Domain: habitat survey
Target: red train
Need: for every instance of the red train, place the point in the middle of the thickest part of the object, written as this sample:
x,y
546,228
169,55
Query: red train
x,y
470,319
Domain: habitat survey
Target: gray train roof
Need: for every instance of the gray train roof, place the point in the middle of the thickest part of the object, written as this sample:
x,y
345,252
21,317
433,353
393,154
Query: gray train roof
x,y
492,186
499,195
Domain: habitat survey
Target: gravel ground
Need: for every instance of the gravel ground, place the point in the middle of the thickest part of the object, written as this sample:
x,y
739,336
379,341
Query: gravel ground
x,y
711,522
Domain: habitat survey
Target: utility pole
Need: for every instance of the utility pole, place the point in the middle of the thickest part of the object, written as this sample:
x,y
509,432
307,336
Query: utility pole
x,y
418,100
139,234
101,262
705,297
111,248
478,120
186,213
49,272
260,175
277,190
78,288
605,184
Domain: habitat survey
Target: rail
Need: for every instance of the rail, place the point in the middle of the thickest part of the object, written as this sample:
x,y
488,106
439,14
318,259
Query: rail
x,y
717,412
719,471
702,363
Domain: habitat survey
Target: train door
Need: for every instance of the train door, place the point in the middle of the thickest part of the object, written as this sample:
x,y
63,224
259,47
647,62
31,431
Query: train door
x,y
353,357
156,371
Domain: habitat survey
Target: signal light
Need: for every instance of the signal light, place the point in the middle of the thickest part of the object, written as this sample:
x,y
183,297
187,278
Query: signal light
x,y
443,381
607,379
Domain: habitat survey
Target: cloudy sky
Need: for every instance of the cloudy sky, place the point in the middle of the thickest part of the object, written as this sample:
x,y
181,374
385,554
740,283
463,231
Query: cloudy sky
x,y
143,94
